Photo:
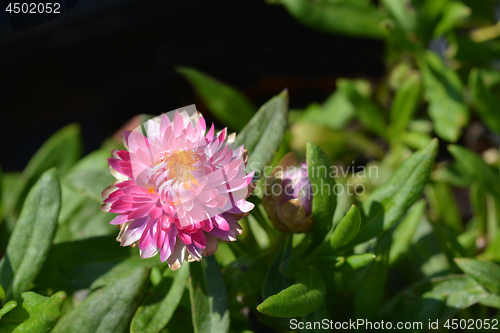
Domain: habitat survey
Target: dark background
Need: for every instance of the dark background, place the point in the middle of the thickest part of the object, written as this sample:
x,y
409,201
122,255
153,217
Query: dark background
x,y
105,61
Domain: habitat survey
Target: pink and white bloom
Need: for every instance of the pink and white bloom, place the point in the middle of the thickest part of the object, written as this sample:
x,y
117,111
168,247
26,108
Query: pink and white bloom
x,y
178,189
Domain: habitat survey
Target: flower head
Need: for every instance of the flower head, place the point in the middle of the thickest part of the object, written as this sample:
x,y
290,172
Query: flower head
x,y
288,196
178,189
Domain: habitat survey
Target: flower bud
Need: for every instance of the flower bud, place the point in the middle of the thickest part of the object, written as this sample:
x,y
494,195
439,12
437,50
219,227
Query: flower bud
x,y
288,196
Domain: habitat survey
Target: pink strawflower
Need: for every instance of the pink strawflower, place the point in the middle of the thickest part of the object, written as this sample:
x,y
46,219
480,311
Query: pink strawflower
x,y
178,189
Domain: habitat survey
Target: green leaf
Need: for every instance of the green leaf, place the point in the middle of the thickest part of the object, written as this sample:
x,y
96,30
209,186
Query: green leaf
x,y
275,279
208,297
61,150
90,175
324,199
444,92
7,308
484,100
355,18
444,208
301,298
371,283
477,168
357,261
76,265
461,292
334,114
404,232
454,12
158,307
263,134
367,111
402,12
406,100
33,313
387,205
2,292
484,272
109,309
32,236
226,103
347,228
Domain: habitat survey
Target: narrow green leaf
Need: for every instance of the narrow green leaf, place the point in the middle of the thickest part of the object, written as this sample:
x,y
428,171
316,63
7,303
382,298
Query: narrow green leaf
x,y
324,199
262,136
32,236
347,228
61,150
454,12
109,309
357,261
484,272
276,281
477,168
405,103
208,297
301,298
33,313
371,283
404,232
402,12
158,307
355,18
444,92
2,292
484,100
7,308
444,208
227,104
387,205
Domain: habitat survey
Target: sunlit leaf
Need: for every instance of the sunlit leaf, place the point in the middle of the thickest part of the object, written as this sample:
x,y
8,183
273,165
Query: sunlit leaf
x,y
386,205
301,298
347,228
405,103
355,18
444,92
32,236
262,136
33,313
484,272
324,198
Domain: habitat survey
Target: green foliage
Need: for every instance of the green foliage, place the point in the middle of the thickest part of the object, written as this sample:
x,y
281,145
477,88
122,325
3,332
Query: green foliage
x,y
420,242
346,229
31,313
208,297
226,103
263,134
32,237
324,199
159,306
301,298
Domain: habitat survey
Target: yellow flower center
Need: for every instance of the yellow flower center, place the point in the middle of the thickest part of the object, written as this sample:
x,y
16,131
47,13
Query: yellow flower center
x,y
180,164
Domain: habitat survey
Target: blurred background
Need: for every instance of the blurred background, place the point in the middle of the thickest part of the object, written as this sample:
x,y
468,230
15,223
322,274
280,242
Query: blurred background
x,y
103,62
